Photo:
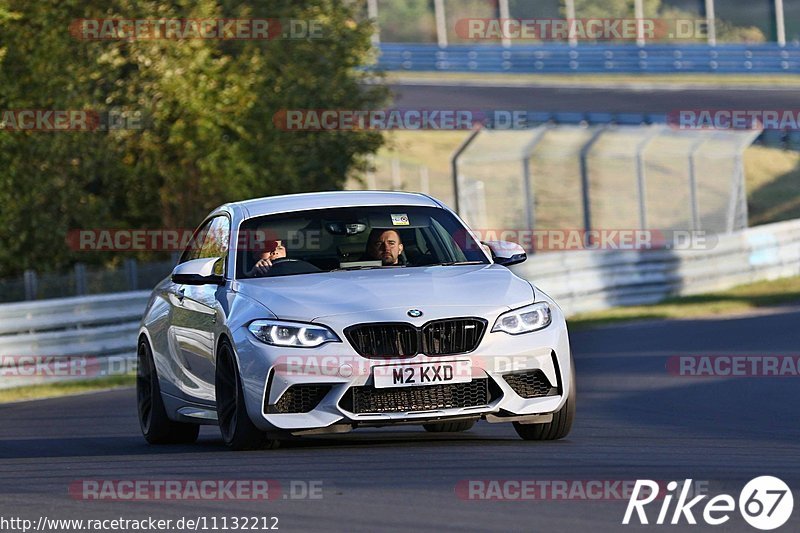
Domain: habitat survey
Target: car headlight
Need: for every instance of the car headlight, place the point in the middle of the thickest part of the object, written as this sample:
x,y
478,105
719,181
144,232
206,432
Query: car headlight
x,y
525,319
279,333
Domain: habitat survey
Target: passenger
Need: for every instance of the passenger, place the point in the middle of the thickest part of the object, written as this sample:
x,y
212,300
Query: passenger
x,y
264,255
386,246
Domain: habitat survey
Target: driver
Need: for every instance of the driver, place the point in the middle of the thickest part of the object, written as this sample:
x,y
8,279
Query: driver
x,y
264,255
386,246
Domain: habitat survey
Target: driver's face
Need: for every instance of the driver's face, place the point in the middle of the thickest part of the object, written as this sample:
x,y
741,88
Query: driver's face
x,y
274,250
388,247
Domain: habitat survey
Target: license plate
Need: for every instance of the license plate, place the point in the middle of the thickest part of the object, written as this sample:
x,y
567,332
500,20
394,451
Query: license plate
x,y
420,374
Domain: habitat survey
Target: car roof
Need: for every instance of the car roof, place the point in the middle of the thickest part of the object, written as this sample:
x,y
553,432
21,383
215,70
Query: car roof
x,y
325,200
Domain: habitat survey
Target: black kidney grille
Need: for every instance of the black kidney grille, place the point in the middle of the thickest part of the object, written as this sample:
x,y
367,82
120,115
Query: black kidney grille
x,y
384,340
449,337
439,337
531,384
403,399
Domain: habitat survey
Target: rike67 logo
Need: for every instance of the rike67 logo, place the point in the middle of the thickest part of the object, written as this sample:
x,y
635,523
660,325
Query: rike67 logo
x,y
765,503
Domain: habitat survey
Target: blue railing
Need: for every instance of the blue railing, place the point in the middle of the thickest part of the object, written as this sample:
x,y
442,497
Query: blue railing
x,y
623,58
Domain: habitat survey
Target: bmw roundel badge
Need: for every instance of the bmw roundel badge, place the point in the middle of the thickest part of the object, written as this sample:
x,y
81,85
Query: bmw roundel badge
x,y
414,313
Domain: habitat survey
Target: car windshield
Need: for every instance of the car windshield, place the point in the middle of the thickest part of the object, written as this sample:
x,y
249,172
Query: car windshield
x,y
353,238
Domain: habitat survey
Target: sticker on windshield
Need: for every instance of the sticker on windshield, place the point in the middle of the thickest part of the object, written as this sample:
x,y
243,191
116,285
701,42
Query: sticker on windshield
x,y
400,219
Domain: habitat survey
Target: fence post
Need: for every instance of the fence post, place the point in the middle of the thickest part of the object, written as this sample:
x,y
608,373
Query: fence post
x,y
530,208
638,14
640,176
587,204
372,165
396,180
424,180
31,284
132,274
733,202
780,24
738,201
80,279
693,183
372,13
441,23
505,14
454,166
711,23
569,6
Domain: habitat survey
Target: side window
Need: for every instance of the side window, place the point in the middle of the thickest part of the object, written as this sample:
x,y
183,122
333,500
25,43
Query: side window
x,y
192,250
216,241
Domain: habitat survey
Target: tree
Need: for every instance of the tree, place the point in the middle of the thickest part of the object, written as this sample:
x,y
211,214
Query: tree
x,y
206,105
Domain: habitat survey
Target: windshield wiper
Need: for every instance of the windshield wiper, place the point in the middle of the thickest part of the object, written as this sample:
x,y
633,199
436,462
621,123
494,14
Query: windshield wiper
x,y
458,263
359,267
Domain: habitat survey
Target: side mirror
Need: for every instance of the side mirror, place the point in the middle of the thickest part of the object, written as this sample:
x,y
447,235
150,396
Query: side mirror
x,y
506,253
198,272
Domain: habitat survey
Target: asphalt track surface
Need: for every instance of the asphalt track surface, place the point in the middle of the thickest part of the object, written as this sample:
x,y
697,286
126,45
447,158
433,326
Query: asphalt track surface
x,y
635,420
601,100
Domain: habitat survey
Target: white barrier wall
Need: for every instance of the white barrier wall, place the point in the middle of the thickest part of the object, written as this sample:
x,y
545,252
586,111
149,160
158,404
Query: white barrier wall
x,y
586,280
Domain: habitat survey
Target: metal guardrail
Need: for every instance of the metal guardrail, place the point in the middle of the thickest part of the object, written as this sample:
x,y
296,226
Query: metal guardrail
x,y
105,326
91,327
587,58
84,280
583,280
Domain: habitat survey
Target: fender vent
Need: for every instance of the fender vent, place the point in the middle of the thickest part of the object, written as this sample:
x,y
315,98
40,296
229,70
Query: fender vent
x,y
298,399
531,384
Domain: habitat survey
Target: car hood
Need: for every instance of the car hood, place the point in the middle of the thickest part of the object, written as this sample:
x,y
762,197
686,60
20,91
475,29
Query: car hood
x,y
435,290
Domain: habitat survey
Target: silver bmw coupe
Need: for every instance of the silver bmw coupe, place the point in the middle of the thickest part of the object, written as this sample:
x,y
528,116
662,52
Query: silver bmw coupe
x,y
321,313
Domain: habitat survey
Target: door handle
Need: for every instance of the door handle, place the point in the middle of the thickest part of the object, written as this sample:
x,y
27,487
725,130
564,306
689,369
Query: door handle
x,y
180,294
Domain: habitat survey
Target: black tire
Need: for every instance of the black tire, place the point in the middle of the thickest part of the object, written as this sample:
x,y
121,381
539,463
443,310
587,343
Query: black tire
x,y
238,431
156,426
561,424
449,427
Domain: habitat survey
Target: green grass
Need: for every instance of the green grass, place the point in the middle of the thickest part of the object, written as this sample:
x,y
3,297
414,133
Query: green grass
x,y
66,388
611,80
739,300
773,184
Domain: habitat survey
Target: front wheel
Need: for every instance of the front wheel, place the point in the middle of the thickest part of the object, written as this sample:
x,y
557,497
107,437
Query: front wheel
x,y
561,424
238,431
156,426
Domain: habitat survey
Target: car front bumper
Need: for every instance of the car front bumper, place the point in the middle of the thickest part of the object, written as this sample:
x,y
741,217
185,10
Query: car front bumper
x,y
332,371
